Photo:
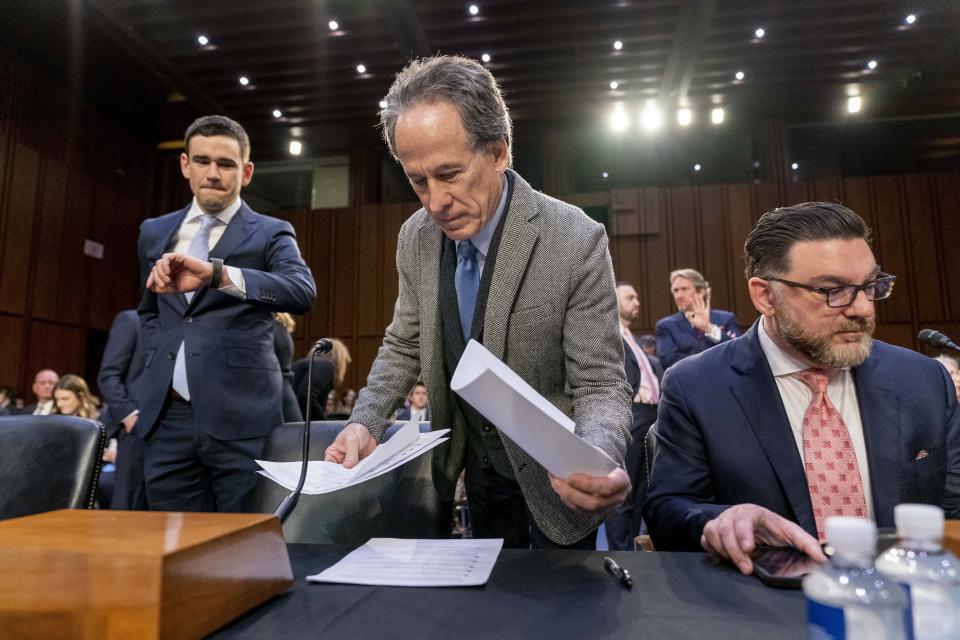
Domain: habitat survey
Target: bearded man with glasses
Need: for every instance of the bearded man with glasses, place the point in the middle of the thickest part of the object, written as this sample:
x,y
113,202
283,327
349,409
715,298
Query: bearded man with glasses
x,y
806,416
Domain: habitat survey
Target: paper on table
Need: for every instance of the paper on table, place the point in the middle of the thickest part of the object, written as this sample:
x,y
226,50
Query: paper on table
x,y
525,416
323,477
396,562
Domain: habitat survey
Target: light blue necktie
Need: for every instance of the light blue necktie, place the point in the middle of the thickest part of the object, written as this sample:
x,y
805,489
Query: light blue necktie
x,y
199,248
467,282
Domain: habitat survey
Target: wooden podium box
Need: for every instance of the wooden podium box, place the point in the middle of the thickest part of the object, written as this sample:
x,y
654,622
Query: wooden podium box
x,y
114,575
951,536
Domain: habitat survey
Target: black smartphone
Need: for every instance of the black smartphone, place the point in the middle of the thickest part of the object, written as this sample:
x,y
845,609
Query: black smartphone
x,y
781,567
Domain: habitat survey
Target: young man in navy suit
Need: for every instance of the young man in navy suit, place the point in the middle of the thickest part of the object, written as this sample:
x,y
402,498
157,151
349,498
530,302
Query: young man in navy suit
x,y
761,439
695,327
215,274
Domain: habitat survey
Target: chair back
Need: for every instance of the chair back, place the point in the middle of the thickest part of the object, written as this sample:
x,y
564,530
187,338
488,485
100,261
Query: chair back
x,y
399,504
650,449
48,463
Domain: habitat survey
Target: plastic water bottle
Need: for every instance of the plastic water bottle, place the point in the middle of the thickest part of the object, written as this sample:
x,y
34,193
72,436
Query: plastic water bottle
x,y
930,575
848,599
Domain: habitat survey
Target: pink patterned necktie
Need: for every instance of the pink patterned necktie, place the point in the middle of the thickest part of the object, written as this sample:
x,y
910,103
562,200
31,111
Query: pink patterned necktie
x,y
833,475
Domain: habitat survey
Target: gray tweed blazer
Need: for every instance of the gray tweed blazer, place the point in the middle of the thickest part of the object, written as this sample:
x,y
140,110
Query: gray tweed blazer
x,y
551,315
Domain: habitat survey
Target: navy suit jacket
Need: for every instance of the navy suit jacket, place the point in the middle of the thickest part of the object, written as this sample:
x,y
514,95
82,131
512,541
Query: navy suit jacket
x,y
677,339
121,369
234,375
724,439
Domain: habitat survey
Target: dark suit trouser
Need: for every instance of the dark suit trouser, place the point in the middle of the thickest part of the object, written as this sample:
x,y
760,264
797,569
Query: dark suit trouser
x,y
187,470
498,510
623,525
129,491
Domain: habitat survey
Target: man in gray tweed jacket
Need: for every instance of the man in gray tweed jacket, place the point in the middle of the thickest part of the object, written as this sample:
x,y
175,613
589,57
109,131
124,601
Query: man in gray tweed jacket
x,y
530,277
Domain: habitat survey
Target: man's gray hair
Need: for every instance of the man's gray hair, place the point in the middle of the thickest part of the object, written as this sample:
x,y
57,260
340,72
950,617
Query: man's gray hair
x,y
464,83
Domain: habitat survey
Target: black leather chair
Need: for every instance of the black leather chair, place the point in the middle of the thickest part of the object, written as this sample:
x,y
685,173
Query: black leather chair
x,y
48,462
400,504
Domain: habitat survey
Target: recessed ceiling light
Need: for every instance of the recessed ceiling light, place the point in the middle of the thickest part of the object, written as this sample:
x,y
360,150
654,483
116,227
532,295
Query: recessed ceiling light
x,y
295,148
619,120
794,166
244,80
684,117
277,113
614,84
760,32
872,65
473,9
203,40
361,68
617,45
334,25
485,57
910,19
605,175
739,75
383,104
696,167
717,115
650,117
854,104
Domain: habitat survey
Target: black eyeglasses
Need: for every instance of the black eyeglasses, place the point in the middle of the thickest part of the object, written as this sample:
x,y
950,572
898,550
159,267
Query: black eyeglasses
x,y
843,296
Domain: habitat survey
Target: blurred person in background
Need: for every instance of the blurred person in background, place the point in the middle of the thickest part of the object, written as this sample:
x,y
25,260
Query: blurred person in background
x,y
42,388
953,368
283,346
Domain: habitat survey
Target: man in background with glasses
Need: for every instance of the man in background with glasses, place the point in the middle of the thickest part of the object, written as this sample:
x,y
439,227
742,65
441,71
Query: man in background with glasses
x,y
807,416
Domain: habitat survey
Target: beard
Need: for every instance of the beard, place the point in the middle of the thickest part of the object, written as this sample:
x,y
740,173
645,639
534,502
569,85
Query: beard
x,y
818,346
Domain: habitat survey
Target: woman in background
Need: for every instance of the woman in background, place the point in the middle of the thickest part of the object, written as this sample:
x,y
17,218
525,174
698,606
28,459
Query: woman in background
x,y
328,373
72,397
283,347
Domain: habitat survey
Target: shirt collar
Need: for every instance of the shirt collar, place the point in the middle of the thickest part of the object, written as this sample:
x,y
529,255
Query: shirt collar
x,y
781,363
482,239
225,216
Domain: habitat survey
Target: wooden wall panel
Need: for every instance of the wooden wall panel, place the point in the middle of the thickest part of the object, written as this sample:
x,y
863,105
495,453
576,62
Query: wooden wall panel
x,y
947,190
394,216
11,355
56,346
74,296
685,249
892,249
740,215
21,211
719,260
49,244
924,248
370,271
656,256
345,297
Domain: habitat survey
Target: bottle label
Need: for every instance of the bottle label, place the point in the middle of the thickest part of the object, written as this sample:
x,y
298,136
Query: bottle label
x,y
825,622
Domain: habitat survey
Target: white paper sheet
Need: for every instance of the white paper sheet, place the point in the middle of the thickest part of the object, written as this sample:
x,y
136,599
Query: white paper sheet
x,y
396,562
323,477
525,416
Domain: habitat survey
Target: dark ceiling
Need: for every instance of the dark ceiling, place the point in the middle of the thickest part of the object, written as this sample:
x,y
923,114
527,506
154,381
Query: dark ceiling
x,y
554,59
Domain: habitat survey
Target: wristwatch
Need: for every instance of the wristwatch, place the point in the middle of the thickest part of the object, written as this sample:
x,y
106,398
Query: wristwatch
x,y
217,272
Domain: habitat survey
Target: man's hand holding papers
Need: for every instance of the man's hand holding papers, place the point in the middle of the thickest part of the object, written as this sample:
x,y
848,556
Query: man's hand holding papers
x,y
352,445
593,494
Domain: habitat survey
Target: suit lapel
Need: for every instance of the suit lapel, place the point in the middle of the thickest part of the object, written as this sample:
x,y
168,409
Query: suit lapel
x,y
880,416
163,242
242,226
513,255
759,398
430,248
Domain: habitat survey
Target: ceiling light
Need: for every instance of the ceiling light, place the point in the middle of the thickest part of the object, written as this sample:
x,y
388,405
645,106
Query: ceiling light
x,y
684,117
760,32
295,148
605,175
872,65
717,115
474,9
794,166
619,120
334,25
650,117
244,80
696,167
739,75
277,113
361,68
614,84
617,45
854,103
203,40
910,19
485,57
383,104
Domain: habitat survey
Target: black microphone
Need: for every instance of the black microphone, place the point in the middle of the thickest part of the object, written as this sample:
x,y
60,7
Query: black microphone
x,y
937,340
323,345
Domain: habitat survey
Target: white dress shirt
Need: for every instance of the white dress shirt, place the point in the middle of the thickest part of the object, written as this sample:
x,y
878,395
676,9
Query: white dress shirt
x,y
796,396
189,227
43,408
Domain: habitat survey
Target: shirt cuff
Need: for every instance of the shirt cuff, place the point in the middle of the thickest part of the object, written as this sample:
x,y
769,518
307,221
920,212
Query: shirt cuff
x,y
714,334
237,287
133,413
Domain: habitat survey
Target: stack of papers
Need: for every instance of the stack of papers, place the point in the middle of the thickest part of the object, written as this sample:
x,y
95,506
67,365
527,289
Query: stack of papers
x,y
323,477
395,562
525,416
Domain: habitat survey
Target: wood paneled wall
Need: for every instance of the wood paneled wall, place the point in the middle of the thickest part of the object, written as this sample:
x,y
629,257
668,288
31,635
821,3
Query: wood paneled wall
x,y
67,173
915,218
